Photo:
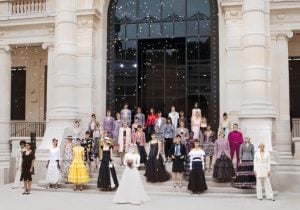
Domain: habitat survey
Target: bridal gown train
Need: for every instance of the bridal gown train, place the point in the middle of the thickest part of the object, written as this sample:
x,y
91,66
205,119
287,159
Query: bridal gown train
x,y
131,189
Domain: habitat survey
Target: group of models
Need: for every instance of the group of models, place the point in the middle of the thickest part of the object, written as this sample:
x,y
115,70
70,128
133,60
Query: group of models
x,y
191,154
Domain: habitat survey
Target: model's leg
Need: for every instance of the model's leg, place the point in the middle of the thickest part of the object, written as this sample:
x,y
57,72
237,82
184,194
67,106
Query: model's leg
x,y
29,183
210,162
259,194
25,187
268,188
174,179
122,158
180,179
166,149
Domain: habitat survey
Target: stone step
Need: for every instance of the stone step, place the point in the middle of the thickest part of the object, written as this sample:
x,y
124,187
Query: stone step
x,y
285,157
211,192
157,188
288,168
291,162
209,182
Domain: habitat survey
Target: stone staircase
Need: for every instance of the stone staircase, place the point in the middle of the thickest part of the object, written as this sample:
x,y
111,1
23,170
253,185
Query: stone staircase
x,y
288,171
164,188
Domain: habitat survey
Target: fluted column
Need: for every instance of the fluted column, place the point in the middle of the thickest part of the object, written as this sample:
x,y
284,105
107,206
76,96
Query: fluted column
x,y
257,113
50,74
283,123
233,75
5,92
63,110
65,78
254,59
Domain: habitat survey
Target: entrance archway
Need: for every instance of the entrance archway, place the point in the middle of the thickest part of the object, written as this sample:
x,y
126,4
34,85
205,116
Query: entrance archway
x,y
163,53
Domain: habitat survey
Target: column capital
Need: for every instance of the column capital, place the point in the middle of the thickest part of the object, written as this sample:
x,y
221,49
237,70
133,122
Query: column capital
x,y
285,34
47,45
5,47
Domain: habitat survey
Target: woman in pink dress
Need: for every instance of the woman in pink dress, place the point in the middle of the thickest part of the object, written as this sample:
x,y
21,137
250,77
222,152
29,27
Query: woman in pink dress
x,y
223,168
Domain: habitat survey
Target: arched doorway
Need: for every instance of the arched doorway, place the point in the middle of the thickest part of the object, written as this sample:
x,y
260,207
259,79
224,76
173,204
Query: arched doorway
x,y
163,53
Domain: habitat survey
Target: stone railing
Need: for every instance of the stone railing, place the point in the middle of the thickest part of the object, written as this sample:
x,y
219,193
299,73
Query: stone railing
x,y
25,7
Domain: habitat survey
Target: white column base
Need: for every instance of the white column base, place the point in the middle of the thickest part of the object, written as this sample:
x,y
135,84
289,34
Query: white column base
x,y
283,136
259,130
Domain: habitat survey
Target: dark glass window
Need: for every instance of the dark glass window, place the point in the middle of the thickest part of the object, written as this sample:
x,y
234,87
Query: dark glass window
x,y
163,53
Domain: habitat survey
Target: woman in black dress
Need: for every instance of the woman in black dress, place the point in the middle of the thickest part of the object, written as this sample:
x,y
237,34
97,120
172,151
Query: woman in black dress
x,y
28,158
107,179
178,156
155,169
197,183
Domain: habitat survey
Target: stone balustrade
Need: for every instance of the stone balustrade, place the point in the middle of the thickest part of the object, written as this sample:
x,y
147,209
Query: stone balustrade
x,y
24,7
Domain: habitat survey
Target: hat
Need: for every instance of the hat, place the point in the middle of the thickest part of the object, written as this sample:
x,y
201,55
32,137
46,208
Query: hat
x,y
69,137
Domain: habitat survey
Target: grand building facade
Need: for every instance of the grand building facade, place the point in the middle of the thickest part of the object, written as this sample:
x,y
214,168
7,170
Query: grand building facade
x,y
61,61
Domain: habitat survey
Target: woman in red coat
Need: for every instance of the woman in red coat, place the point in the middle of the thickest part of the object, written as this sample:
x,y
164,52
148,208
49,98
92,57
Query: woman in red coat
x,y
150,123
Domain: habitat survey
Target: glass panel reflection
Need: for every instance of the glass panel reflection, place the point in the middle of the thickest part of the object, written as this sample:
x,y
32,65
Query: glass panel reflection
x,y
162,54
176,7
126,8
198,6
149,8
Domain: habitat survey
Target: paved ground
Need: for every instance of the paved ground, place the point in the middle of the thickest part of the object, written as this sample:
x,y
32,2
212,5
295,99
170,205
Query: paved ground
x,y
48,200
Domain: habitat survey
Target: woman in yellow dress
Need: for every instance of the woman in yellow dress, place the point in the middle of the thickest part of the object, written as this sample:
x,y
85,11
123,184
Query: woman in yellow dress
x,y
78,174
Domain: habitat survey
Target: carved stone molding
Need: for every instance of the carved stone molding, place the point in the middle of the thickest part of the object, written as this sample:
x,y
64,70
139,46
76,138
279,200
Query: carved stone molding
x,y
47,45
285,34
280,16
230,14
6,48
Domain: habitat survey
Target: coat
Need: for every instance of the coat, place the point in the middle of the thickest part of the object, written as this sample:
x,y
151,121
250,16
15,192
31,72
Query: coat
x,y
262,165
182,149
123,146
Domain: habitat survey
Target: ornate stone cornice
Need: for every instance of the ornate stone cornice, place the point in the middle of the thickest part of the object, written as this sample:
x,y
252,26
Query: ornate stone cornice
x,y
254,10
5,47
233,14
286,34
47,45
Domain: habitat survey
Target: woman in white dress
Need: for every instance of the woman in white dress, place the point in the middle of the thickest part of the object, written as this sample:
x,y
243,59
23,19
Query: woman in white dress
x,y
52,175
195,125
76,131
225,125
131,188
196,109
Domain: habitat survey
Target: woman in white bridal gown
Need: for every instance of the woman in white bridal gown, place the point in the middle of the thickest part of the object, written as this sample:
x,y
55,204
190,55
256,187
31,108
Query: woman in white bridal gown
x,y
131,189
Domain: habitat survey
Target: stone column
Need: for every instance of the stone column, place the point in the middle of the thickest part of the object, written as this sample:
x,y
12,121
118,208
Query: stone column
x,y
5,92
50,74
87,80
283,131
257,113
233,75
65,78
64,109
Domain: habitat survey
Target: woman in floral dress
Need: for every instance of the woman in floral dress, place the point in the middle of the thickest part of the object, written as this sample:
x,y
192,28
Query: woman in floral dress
x,y
67,158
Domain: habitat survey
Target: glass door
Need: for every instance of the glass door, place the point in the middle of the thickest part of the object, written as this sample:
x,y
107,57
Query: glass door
x,y
162,78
